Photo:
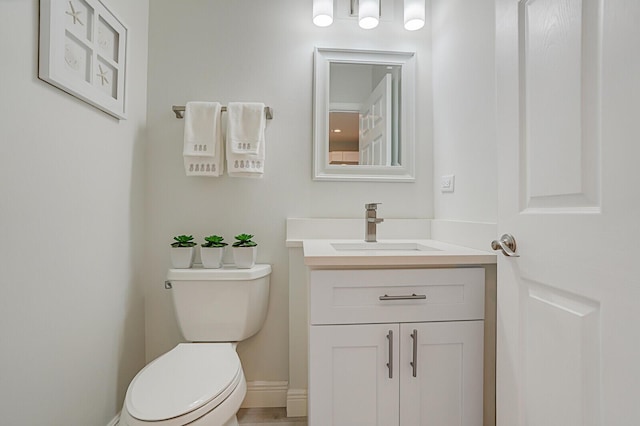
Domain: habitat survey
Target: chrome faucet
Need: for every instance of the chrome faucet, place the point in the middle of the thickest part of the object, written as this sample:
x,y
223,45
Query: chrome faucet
x,y
371,221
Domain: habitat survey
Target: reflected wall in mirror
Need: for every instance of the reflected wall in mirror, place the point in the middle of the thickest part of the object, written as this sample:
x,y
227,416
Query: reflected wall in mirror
x,y
363,115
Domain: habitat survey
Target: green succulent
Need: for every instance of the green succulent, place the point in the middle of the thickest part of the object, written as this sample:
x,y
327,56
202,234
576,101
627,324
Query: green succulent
x,y
183,241
214,241
244,240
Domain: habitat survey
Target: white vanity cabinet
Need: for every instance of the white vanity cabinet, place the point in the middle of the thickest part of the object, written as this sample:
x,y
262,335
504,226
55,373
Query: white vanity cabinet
x,y
396,347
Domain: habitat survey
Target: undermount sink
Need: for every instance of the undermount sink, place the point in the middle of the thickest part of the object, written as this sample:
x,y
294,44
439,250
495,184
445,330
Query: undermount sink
x,y
325,253
383,246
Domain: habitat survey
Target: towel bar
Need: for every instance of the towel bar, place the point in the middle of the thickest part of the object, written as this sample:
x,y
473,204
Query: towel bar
x,y
179,111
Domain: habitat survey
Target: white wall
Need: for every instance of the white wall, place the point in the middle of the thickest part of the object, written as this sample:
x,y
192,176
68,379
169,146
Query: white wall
x,y
71,198
464,105
258,51
464,109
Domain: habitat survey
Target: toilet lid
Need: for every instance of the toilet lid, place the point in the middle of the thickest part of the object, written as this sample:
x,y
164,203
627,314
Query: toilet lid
x,y
182,380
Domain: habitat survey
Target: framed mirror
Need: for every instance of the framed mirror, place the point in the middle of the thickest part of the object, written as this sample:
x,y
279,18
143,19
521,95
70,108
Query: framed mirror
x,y
363,123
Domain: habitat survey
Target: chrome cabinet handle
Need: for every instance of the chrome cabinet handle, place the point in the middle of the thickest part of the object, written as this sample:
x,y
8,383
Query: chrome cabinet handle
x,y
507,244
390,363
414,363
404,297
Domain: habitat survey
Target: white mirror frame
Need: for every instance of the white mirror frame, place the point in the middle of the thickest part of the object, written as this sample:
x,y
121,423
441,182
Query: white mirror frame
x,y
322,170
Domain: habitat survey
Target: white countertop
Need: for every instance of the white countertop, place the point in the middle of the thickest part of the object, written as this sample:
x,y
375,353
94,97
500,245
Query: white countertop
x,y
320,253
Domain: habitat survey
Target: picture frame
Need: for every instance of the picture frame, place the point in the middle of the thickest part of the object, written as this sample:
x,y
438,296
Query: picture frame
x,y
83,51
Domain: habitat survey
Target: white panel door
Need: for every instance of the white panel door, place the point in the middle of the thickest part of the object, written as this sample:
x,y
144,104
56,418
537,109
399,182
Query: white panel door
x,y
441,382
375,125
350,382
568,120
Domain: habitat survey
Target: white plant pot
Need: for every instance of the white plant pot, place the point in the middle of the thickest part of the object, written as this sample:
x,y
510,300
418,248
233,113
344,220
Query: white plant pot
x,y
244,257
182,257
211,257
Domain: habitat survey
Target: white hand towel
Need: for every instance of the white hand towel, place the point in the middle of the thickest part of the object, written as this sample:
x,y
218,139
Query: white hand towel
x,y
202,129
204,166
245,127
246,165
203,150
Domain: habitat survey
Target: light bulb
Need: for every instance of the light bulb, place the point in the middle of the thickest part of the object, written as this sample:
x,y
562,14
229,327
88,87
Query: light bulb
x,y
323,12
368,14
413,14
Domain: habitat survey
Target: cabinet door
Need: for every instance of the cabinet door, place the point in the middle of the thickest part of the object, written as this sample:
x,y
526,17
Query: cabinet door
x,y
447,388
349,380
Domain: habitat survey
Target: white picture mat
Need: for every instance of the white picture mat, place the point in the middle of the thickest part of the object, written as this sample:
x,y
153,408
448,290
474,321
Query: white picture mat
x,y
75,59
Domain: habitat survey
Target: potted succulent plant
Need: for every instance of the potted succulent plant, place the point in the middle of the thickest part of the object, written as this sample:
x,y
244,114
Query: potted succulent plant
x,y
211,251
244,251
183,251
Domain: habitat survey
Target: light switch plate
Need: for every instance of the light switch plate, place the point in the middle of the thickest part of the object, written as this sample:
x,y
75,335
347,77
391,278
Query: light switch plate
x,y
447,183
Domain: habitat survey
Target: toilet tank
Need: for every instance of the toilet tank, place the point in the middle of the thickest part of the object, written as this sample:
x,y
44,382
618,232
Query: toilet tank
x,y
220,305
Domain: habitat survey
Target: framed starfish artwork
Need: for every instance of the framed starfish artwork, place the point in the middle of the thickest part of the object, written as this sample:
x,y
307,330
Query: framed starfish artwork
x,y
83,51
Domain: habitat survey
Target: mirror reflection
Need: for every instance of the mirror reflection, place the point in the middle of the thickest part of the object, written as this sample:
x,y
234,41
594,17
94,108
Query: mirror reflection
x,y
363,127
364,106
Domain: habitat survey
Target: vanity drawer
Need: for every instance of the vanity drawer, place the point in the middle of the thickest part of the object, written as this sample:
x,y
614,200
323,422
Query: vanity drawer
x,y
396,295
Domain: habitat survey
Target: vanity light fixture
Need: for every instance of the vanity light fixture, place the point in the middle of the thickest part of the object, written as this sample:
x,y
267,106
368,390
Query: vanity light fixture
x,y
368,13
323,12
413,14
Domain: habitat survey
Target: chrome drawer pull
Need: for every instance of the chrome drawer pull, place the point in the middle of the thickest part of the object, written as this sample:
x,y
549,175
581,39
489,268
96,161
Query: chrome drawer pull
x,y
404,297
414,363
390,363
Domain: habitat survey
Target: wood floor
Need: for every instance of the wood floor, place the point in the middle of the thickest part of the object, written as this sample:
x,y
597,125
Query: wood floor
x,y
268,417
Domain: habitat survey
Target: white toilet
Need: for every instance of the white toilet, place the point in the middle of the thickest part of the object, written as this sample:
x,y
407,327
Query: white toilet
x,y
202,383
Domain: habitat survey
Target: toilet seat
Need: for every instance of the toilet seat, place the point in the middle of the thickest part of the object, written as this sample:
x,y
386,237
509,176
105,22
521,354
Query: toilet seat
x,y
184,384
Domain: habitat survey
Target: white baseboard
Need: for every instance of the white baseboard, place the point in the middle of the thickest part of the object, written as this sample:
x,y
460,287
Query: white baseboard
x,y
259,394
297,403
266,394
114,421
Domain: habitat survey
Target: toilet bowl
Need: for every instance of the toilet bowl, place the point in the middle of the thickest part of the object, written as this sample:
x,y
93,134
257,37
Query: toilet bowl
x,y
194,383
201,384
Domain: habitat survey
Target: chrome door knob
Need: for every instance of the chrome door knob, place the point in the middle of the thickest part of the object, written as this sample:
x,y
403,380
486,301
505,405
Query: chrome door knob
x,y
507,244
